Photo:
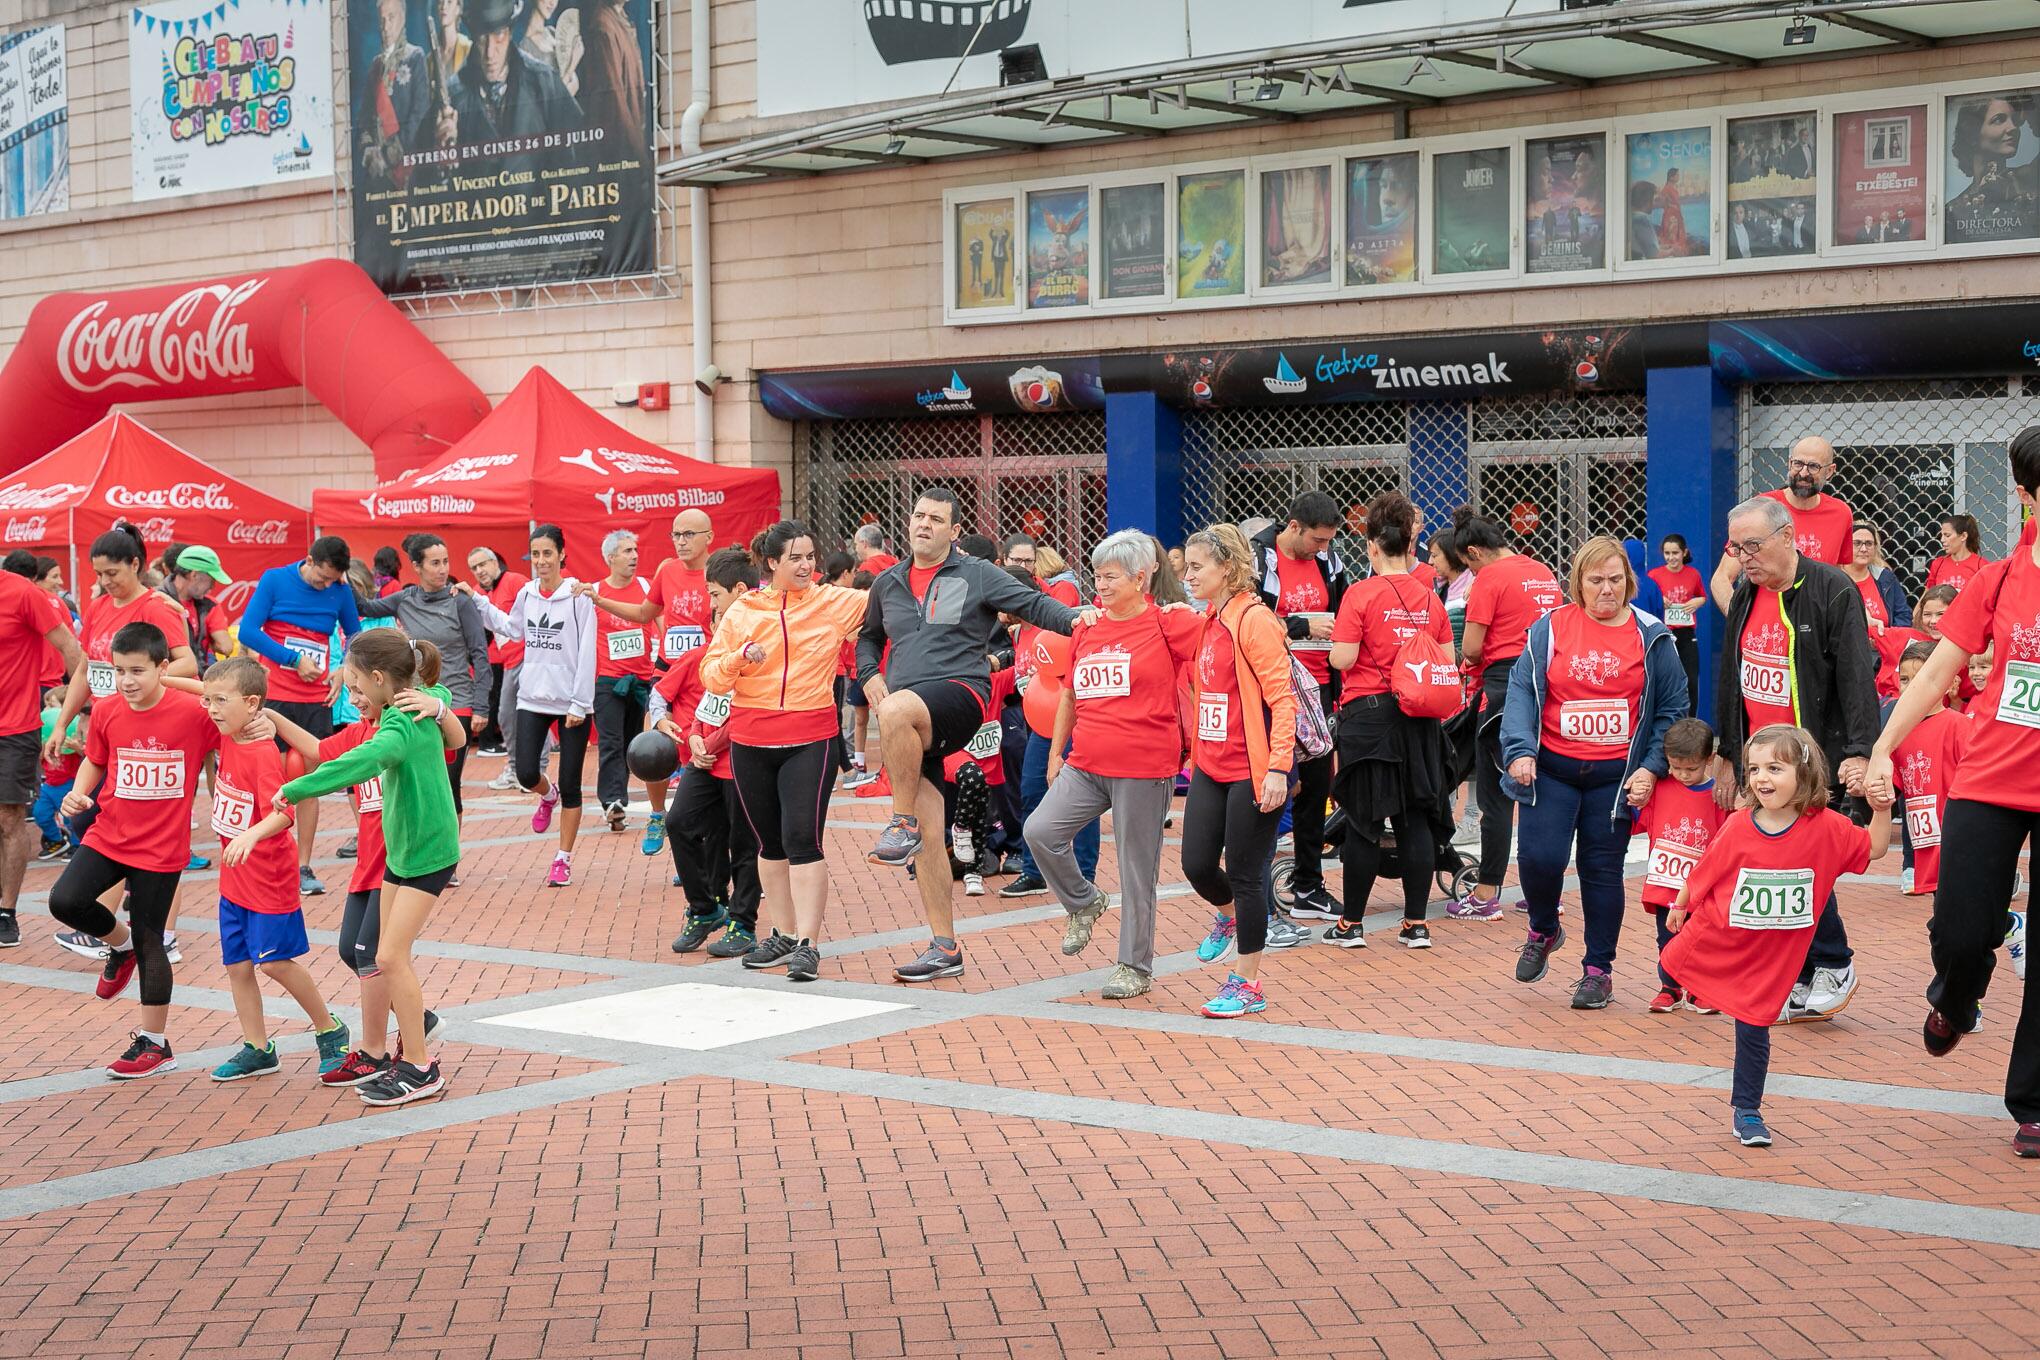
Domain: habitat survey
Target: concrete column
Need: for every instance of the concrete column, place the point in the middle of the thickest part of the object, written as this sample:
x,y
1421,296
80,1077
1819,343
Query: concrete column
x,y
1143,465
1691,485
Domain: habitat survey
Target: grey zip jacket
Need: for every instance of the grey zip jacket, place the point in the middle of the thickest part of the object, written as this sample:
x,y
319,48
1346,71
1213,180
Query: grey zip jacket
x,y
949,635
449,621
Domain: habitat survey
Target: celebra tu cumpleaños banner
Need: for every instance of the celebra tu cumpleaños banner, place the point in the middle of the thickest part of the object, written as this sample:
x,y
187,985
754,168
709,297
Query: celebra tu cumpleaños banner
x,y
229,94
501,142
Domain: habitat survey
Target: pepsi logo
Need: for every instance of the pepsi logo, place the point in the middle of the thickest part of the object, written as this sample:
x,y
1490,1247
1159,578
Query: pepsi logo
x,y
1585,371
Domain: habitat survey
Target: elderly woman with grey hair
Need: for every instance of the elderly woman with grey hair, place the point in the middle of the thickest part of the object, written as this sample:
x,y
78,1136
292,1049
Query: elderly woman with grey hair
x,y
1119,716
623,682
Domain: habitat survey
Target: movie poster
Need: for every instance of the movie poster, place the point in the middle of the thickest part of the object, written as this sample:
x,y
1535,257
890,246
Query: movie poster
x,y
499,144
984,254
1565,213
229,94
1058,248
1881,176
1381,219
1470,198
1993,181
1131,229
1211,225
1669,175
1772,183
1296,227
35,127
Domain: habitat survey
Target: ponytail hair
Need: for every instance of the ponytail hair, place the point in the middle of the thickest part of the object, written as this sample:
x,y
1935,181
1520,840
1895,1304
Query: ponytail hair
x,y
121,543
428,661
771,544
1229,550
1471,529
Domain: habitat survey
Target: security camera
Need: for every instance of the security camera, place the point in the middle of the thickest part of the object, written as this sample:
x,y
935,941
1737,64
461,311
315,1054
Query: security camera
x,y
705,381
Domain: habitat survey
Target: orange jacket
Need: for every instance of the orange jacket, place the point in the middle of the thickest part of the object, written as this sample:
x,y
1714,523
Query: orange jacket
x,y
802,635
1261,639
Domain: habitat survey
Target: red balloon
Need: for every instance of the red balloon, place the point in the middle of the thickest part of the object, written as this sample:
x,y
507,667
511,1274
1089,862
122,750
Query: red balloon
x,y
1040,702
1051,654
293,766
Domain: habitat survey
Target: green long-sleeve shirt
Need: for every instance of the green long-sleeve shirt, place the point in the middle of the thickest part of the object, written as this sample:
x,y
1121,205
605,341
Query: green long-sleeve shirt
x,y
420,828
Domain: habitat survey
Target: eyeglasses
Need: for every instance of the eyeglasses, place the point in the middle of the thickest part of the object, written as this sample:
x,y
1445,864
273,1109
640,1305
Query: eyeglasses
x,y
691,533
1801,465
1750,547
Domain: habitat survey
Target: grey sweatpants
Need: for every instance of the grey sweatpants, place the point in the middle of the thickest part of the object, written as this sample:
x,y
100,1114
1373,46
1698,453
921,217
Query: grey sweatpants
x,y
506,704
1138,807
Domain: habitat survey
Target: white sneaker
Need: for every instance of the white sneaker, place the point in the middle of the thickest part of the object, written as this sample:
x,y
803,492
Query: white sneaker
x,y
1466,835
860,779
170,949
1831,992
1905,883
505,781
2015,944
964,845
1795,1005
973,885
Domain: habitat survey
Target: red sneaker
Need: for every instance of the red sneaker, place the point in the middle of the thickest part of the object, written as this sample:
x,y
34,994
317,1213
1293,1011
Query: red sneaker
x,y
118,973
144,1058
1667,1000
356,1068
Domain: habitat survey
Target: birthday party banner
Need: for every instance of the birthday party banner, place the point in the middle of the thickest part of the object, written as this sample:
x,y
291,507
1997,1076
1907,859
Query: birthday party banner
x,y
230,94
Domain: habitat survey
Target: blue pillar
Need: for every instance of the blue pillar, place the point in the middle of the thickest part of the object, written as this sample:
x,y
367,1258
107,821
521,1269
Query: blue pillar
x,y
1439,481
1690,483
1143,465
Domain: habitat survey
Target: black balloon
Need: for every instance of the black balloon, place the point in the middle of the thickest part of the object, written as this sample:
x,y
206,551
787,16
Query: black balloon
x,y
652,756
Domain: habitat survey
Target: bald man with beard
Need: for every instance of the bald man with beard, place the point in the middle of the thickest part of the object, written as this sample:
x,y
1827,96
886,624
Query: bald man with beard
x,y
1823,525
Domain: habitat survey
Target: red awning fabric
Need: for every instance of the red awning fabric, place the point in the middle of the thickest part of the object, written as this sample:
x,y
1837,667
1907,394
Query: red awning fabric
x,y
121,469
544,456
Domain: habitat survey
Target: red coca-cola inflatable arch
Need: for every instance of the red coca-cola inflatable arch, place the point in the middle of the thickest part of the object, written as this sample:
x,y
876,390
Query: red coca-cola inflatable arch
x,y
323,326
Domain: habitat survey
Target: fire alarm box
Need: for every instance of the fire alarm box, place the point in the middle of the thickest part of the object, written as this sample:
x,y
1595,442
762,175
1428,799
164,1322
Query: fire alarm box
x,y
654,396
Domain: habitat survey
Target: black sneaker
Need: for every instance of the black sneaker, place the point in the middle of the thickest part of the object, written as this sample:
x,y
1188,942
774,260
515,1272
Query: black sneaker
x,y
1593,990
771,951
934,962
53,850
400,1084
349,848
1535,960
1414,935
1316,905
738,940
434,1027
1026,885
805,962
10,930
1940,1035
1347,935
699,926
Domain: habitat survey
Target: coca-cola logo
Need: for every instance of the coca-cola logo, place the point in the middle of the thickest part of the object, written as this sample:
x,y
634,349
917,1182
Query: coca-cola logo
x,y
178,496
194,338
22,496
265,532
159,529
34,529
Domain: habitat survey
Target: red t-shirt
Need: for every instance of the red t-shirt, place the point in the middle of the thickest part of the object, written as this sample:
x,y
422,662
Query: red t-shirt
x,y
24,621
52,659
1064,591
1303,592
1945,570
104,618
1873,604
1754,899
1127,676
1381,613
2000,610
878,562
1507,597
503,594
1889,646
1684,593
983,746
686,615
695,711
1424,574
1680,821
622,647
1824,533
152,759
918,579
249,774
1924,765
1594,689
1221,747
1767,662
370,855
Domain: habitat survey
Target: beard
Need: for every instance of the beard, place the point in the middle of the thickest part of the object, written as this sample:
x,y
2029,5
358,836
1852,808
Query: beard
x,y
1804,484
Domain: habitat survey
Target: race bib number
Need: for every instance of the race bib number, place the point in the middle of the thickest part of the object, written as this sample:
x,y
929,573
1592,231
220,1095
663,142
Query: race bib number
x,y
1211,712
713,710
315,650
2020,702
1772,899
368,797
1670,865
682,638
1103,677
1923,821
99,678
984,743
147,776
1679,615
1596,722
626,644
1767,680
233,810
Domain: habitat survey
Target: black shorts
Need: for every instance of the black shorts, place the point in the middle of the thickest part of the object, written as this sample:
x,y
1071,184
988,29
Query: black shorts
x,y
432,884
956,710
316,719
20,768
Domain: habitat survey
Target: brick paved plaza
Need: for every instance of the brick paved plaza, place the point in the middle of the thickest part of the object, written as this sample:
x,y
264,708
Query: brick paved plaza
x,y
1407,1155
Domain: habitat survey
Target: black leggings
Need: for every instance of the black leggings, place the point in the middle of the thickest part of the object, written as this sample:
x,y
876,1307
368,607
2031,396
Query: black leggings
x,y
1980,845
454,770
1497,809
361,932
785,792
152,895
531,730
1224,819
1684,641
973,801
1307,813
713,851
1416,849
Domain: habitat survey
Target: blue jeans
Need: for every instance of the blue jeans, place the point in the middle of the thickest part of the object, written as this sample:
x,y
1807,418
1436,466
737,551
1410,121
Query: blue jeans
x,y
1575,804
1752,1065
1034,788
47,801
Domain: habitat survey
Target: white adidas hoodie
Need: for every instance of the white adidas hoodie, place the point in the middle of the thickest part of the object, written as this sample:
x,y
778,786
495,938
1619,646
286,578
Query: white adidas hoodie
x,y
558,633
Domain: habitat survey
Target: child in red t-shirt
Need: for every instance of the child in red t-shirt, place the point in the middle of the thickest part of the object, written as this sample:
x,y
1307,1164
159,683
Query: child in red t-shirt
x,y
1924,767
1680,817
972,773
1746,916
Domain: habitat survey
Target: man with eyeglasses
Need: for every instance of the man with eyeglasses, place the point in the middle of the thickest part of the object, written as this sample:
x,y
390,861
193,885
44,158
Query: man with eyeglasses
x,y
1822,523
1796,650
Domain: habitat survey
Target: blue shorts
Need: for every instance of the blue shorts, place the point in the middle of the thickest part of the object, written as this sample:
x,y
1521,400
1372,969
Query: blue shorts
x,y
259,936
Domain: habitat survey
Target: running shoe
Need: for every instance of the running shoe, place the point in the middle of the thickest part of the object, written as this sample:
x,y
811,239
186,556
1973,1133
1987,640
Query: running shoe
x,y
541,817
2026,1142
1694,1005
1236,998
618,815
934,962
1414,935
964,845
199,864
52,850
898,843
1535,960
1077,930
1466,832
308,884
434,1028
655,835
1026,885
562,871
1347,935
491,748
699,926
349,848
1286,934
1125,982
333,1045
737,941
1216,945
1316,905
144,1058
860,779
1472,908
356,1068
1939,1035
249,1061
400,1084
85,946
504,781
170,950
1667,1000
10,931
1750,1130
1830,992
2015,945
1906,880
118,973
804,963
973,883
771,951
1795,1004
1592,991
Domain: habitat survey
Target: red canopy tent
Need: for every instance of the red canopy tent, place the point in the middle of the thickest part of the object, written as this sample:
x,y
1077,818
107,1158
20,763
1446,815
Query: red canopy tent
x,y
544,456
121,469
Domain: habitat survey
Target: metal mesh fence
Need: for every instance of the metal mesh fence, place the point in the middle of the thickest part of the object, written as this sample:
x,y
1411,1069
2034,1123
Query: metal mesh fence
x,y
1249,463
1906,453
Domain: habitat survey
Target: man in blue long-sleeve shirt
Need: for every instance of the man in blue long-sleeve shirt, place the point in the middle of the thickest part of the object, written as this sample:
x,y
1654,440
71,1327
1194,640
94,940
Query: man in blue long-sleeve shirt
x,y
289,624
